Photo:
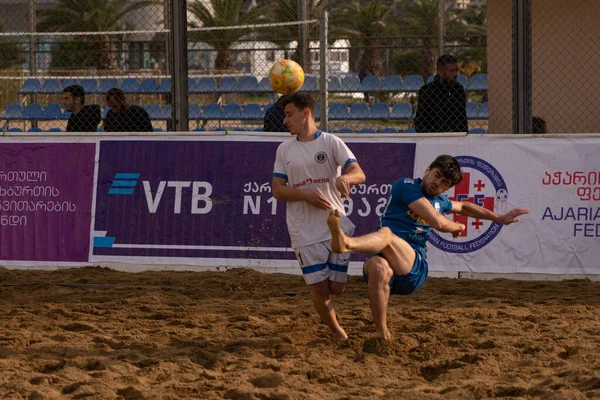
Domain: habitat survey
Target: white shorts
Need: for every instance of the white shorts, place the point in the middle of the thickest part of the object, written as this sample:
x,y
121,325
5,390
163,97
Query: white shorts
x,y
320,263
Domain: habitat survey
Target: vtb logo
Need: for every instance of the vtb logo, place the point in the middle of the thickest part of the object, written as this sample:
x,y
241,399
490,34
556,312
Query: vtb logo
x,y
483,185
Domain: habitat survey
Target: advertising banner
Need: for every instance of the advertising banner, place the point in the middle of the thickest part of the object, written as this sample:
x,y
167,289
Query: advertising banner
x,y
45,201
558,179
211,198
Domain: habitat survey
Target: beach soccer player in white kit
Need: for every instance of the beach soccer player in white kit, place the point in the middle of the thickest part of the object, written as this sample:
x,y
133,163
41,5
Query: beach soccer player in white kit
x,y
308,176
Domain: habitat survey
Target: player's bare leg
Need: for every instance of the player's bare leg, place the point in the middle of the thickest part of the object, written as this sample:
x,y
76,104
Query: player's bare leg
x,y
368,244
378,288
324,306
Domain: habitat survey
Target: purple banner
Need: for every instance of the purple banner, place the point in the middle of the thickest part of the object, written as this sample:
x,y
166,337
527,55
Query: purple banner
x,y
45,201
209,198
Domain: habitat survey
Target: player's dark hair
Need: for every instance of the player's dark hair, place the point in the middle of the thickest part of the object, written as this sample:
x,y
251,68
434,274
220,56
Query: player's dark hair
x,y
449,168
116,94
301,101
76,91
446,59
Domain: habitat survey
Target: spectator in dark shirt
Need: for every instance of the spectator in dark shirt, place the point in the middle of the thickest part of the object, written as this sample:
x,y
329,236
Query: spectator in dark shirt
x,y
83,118
123,117
442,103
274,116
538,125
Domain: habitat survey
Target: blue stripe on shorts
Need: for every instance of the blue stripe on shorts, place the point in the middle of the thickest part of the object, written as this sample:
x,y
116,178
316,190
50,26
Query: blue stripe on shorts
x,y
338,268
313,268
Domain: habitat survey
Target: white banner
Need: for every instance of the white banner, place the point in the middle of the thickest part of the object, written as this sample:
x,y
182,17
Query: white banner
x,y
557,178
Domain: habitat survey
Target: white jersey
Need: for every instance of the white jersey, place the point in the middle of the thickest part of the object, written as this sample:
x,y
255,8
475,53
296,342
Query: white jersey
x,y
313,165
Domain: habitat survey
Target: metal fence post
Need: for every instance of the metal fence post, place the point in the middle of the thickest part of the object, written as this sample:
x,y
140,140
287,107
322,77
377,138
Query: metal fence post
x,y
323,69
522,85
179,72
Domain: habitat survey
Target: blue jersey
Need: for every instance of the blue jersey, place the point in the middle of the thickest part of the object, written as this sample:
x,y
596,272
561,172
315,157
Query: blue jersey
x,y
403,221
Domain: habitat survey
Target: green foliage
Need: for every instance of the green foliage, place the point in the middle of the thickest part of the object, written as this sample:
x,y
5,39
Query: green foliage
x,y
11,53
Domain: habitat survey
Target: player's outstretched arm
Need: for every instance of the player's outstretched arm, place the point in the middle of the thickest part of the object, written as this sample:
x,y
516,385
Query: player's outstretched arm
x,y
281,191
473,210
423,208
354,175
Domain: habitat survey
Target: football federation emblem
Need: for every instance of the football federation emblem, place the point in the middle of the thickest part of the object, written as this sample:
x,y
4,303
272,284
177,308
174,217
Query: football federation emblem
x,y
483,185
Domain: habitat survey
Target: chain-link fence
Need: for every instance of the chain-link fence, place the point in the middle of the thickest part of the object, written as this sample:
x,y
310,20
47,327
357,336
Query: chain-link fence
x,y
383,74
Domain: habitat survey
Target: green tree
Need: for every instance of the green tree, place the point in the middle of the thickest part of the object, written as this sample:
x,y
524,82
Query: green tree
x,y
220,13
368,27
11,53
469,29
90,16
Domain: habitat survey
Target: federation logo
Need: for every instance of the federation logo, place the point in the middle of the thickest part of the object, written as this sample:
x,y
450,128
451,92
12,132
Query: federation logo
x,y
321,157
483,185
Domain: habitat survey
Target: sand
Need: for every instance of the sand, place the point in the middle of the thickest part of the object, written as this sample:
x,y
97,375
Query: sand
x,y
96,333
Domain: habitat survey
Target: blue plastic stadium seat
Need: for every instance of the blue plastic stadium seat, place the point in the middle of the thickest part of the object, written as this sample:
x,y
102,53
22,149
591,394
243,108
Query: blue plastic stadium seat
x,y
165,85
31,86
239,129
472,110
410,130
412,83
367,130
129,85
311,84
51,86
232,111
35,130
108,84
359,111
392,83
389,130
194,111
212,111
229,84
370,84
350,84
478,83
69,82
338,111
334,84
257,130
199,130
380,111
218,130
253,111
106,110
345,130
157,130
167,112
13,111
483,111
248,84
15,130
317,112
52,111
33,111
148,86
401,111
477,131
265,85
89,85
206,85
54,130
154,111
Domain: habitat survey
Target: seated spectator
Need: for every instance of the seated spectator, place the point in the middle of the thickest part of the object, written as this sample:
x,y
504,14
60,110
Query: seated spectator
x,y
83,118
273,120
123,117
538,125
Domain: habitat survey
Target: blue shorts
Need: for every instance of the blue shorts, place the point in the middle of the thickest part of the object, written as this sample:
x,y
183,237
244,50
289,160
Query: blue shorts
x,y
406,284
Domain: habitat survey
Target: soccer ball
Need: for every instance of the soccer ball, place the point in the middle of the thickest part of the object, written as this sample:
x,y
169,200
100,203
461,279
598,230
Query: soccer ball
x,y
286,77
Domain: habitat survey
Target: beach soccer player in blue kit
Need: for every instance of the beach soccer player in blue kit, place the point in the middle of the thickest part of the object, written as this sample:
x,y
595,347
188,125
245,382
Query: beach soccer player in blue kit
x,y
398,263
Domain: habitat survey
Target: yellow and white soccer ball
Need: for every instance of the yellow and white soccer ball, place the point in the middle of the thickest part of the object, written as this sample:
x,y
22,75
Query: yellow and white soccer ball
x,y
286,77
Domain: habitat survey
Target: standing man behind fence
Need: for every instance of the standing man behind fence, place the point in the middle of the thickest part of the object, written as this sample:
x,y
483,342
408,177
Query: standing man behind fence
x,y
83,118
443,103
124,117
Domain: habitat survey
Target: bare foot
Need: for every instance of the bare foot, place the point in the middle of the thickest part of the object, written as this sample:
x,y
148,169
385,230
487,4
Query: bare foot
x,y
339,335
338,238
385,336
